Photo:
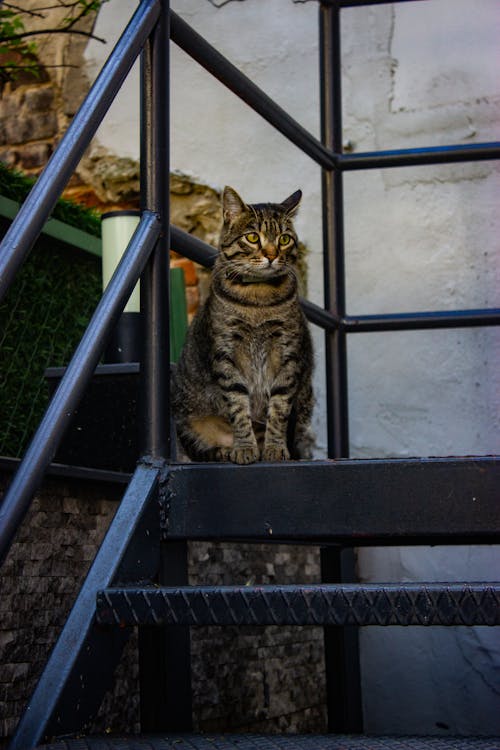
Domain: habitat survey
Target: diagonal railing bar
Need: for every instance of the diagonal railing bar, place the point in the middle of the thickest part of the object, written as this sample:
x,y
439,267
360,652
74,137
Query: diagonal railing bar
x,y
33,214
192,247
84,654
419,156
204,254
78,373
228,74
236,81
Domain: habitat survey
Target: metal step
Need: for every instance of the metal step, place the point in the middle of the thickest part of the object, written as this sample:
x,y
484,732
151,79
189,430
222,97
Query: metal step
x,y
352,502
333,604
273,742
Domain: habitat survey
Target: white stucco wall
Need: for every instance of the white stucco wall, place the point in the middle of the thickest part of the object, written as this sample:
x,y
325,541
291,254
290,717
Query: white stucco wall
x,y
415,74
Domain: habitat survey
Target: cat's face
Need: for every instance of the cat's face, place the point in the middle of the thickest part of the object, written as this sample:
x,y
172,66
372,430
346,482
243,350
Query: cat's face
x,y
258,242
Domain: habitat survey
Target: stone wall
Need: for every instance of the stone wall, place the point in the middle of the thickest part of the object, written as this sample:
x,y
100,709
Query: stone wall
x,y
254,679
267,679
43,571
36,109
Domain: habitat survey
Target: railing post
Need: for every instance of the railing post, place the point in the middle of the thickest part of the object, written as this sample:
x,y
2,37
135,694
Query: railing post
x,y
165,661
337,564
333,231
155,279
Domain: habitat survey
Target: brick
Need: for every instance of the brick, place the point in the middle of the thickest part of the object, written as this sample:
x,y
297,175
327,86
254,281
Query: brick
x,y
192,298
190,277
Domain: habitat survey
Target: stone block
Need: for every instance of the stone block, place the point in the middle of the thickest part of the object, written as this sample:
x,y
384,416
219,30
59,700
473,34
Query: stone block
x,y
38,99
50,502
14,672
8,156
35,155
24,128
71,505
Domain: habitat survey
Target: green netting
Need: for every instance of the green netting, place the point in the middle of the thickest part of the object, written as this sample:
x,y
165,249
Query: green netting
x,y
42,319
45,313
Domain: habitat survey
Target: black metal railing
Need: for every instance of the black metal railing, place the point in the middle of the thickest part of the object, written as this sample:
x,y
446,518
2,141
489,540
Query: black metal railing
x,y
144,31
147,254
328,153
147,31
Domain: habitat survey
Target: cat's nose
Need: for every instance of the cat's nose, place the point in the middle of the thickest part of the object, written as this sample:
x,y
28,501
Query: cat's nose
x,y
270,252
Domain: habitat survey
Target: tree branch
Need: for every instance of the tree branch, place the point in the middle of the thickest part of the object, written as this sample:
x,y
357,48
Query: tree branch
x,y
18,9
12,66
22,35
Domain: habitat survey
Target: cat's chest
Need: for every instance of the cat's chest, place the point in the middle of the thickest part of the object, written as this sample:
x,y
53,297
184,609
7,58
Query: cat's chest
x,y
257,343
259,364
258,359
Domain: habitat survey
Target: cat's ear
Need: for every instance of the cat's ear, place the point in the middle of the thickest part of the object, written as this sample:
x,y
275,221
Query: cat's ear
x,y
291,203
232,205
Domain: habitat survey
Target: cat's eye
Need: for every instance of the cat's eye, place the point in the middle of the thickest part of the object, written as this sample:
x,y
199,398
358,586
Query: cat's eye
x,y
252,237
285,239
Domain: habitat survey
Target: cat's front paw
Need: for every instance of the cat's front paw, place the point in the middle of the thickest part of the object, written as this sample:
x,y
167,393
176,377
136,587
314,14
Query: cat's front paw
x,y
275,453
247,454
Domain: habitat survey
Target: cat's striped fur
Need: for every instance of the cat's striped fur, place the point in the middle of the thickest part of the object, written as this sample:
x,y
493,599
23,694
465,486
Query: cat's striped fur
x,y
242,389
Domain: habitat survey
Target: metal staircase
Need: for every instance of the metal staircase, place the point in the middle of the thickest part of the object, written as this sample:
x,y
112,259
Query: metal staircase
x,y
139,577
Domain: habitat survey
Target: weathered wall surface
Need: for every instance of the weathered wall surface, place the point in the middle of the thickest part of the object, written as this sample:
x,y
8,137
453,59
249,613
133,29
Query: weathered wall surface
x,y
414,74
35,110
423,74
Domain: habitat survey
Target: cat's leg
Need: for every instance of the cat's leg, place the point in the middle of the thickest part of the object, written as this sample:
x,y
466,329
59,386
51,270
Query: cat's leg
x,y
303,441
278,414
245,449
234,405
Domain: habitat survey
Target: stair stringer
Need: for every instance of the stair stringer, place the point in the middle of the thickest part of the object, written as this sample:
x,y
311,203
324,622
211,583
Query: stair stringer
x,y
80,668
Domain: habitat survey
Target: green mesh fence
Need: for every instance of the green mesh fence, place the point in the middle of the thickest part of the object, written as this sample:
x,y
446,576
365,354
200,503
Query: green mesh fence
x,y
45,313
42,320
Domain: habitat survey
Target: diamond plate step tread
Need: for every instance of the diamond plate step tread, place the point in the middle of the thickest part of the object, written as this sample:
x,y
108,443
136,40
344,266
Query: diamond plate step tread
x,y
332,604
273,742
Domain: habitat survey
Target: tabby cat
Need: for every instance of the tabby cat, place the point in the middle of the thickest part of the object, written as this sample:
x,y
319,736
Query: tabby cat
x,y
242,389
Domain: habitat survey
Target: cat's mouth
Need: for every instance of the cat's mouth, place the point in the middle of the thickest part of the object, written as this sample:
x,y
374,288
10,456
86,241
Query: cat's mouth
x,y
267,275
274,277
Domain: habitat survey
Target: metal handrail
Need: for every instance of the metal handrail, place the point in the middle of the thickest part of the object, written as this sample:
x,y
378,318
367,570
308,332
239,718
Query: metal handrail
x,y
232,78
76,378
217,65
204,254
29,222
42,198
37,207
413,157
